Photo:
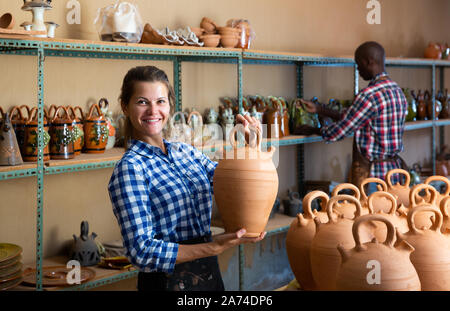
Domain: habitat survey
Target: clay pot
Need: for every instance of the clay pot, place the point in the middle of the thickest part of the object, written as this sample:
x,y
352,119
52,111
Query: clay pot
x,y
433,51
7,21
445,204
397,273
423,220
95,131
208,25
325,257
429,103
381,204
229,41
347,208
9,148
399,221
61,142
298,241
431,256
31,138
78,133
229,31
210,41
440,196
245,186
18,121
197,31
421,107
272,118
401,192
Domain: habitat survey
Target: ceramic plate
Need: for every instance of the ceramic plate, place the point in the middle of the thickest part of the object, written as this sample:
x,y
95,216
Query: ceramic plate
x,y
9,270
9,251
56,276
11,277
10,262
10,284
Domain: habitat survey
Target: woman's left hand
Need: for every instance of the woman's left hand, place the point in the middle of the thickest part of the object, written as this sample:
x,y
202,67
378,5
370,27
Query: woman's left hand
x,y
248,121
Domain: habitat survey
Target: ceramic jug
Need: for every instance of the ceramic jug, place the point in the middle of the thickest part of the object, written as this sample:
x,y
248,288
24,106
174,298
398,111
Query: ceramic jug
x,y
245,185
284,117
437,106
401,192
272,118
178,130
104,107
421,106
325,257
9,148
423,219
96,131
61,138
31,138
446,181
412,105
399,221
18,121
445,210
397,273
77,128
445,112
299,238
433,51
85,249
431,256
347,208
381,203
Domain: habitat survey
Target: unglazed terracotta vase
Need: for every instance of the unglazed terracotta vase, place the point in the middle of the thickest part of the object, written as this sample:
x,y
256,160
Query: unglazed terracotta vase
x,y
424,219
245,185
347,208
299,238
445,210
325,257
440,196
401,192
30,153
381,203
397,273
431,256
95,131
399,221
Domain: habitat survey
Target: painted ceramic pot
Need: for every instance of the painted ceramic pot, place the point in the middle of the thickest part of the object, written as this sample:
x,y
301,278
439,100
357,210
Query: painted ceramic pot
x,y
61,139
77,128
95,131
397,273
31,138
245,185
299,238
401,192
431,256
18,121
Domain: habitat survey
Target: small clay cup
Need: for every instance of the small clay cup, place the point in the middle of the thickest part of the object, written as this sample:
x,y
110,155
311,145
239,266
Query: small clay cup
x,y
229,41
210,41
7,21
197,31
208,25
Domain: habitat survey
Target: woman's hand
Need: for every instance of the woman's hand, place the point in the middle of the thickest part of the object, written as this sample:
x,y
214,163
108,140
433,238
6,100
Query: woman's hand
x,y
248,121
308,106
227,240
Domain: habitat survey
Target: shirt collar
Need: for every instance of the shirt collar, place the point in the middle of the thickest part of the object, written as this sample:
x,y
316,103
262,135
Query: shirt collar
x,y
147,150
377,77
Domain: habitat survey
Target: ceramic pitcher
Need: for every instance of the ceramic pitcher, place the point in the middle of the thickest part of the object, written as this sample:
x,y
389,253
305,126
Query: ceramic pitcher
x,y
381,202
31,138
245,185
9,148
401,192
396,273
61,138
95,131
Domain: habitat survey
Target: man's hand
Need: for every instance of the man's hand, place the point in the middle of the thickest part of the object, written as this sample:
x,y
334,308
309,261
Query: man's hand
x,y
306,130
308,106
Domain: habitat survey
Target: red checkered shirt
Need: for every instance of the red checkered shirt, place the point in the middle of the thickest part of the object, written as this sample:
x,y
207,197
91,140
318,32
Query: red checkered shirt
x,y
377,119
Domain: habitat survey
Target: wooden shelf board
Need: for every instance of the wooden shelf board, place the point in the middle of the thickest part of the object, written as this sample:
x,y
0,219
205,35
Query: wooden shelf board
x,y
113,154
24,166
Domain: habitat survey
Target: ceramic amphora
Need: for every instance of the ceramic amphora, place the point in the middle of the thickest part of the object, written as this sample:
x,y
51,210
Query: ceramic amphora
x,y
446,181
396,272
445,210
299,238
424,219
325,257
381,203
401,192
431,256
9,148
245,185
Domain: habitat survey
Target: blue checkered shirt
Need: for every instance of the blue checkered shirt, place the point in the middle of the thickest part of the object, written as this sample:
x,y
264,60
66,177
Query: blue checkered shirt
x,y
160,200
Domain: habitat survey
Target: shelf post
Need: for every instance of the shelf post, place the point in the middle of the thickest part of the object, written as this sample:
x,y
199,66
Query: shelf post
x,y
177,82
40,168
441,88
433,129
300,147
239,86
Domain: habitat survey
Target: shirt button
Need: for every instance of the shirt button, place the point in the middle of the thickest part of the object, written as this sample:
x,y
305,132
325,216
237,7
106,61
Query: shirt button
x,y
172,165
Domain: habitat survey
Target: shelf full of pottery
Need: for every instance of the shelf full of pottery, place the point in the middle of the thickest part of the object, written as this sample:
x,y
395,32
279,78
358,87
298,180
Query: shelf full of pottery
x,y
396,239
68,131
38,27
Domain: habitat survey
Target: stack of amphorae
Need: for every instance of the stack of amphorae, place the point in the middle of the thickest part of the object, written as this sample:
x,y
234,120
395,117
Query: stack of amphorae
x,y
398,238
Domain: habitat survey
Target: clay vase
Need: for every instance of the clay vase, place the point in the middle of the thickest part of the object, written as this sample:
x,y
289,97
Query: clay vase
x,y
401,192
9,148
18,121
284,118
77,129
95,131
440,196
400,222
325,257
433,51
30,153
272,118
245,185
346,208
298,241
423,220
437,107
421,107
445,210
381,203
61,139
431,256
397,273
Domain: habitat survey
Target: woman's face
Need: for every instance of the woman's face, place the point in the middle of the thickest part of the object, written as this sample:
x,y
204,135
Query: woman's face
x,y
149,111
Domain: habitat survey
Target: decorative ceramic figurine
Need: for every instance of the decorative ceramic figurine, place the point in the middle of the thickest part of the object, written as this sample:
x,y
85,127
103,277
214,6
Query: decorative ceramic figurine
x,y
85,249
212,131
195,122
9,148
37,7
227,122
104,107
245,185
292,204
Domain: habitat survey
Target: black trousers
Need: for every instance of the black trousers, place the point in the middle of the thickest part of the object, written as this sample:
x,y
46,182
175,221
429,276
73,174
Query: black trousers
x,y
198,275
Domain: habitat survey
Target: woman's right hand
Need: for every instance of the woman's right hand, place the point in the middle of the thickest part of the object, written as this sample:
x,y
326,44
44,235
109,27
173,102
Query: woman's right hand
x,y
308,106
228,240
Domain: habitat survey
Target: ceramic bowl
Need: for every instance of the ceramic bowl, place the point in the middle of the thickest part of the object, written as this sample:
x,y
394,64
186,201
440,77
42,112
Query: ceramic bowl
x,y
208,25
210,41
197,31
7,21
229,41
228,30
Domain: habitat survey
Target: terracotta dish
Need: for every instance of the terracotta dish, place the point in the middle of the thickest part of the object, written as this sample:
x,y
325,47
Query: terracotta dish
x,y
210,41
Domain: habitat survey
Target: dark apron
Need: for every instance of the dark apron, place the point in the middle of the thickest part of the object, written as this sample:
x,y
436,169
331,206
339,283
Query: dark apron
x,y
198,275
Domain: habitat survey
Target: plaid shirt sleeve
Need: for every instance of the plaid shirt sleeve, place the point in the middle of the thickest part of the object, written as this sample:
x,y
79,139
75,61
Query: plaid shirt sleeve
x,y
209,165
130,197
356,116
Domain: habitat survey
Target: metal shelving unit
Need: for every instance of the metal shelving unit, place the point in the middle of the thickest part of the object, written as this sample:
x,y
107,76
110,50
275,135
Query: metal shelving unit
x,y
42,48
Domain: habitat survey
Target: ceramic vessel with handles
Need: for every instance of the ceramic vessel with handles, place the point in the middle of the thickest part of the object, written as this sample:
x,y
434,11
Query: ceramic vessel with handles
x,y
431,256
95,131
446,181
347,208
61,138
396,272
445,210
18,121
272,118
325,257
77,129
245,185
401,192
424,219
299,238
381,203
9,148
31,138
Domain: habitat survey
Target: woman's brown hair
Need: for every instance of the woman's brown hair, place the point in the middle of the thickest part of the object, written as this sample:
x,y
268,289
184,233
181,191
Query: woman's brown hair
x,y
142,74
